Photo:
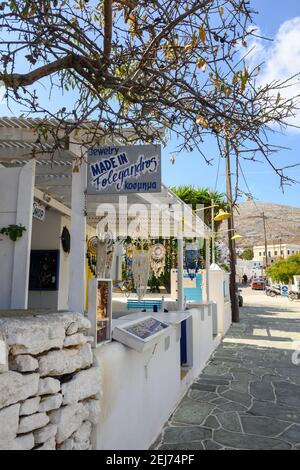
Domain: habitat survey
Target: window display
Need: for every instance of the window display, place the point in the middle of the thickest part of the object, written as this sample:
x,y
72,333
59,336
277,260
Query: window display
x,y
100,309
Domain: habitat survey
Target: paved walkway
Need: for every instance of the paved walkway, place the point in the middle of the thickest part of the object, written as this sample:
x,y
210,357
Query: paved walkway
x,y
248,396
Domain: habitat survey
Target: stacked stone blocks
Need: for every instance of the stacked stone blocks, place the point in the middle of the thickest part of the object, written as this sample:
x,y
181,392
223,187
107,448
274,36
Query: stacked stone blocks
x,y
50,386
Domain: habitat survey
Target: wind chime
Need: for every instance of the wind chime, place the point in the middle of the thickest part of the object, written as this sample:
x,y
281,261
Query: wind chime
x,y
91,254
142,258
100,255
129,254
141,270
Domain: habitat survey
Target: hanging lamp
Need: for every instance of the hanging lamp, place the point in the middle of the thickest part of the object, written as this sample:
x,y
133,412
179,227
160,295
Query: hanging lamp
x,y
222,215
236,236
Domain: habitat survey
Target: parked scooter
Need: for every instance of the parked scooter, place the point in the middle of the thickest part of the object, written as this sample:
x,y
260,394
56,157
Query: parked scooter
x,y
273,291
294,295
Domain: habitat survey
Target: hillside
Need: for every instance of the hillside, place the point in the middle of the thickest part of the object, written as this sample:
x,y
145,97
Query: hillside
x,y
281,222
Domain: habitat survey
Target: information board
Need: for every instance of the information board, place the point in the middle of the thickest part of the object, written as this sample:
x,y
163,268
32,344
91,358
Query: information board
x,y
141,334
146,328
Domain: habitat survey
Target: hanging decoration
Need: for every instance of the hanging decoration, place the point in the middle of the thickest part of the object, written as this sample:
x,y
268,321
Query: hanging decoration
x,y
158,259
129,255
110,255
173,253
92,254
192,259
100,255
65,240
141,271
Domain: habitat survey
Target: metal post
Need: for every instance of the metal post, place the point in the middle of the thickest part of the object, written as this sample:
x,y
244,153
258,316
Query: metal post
x,y
207,260
213,255
265,236
180,266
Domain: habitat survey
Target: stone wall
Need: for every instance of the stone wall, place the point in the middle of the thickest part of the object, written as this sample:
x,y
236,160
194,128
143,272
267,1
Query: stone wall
x,y
49,383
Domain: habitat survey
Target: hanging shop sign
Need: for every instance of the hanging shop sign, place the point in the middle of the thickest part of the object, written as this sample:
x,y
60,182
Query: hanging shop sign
x,y
124,169
39,211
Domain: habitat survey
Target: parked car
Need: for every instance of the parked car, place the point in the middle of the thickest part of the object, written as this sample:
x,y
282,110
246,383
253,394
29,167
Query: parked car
x,y
258,284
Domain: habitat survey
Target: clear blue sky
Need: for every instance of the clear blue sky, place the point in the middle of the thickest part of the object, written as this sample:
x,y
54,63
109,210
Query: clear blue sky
x,y
263,183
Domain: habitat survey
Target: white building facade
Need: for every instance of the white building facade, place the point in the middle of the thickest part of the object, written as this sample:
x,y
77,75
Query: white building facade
x,y
275,251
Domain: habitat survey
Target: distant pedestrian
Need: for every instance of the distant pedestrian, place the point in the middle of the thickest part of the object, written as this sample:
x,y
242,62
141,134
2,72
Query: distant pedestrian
x,y
245,278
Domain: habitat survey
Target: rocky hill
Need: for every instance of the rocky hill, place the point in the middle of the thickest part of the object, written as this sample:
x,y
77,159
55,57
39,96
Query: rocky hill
x,y
281,222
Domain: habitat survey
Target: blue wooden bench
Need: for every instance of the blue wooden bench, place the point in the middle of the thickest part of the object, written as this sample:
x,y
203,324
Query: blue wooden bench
x,y
143,304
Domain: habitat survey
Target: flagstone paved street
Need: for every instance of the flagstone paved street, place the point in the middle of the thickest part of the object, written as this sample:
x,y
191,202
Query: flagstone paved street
x,y
248,396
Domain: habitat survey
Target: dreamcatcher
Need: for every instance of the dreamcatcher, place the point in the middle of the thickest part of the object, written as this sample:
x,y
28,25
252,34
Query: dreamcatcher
x,y
100,255
141,271
157,259
192,259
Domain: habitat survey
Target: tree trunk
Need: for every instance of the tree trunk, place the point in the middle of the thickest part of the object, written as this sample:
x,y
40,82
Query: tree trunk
x,y
231,244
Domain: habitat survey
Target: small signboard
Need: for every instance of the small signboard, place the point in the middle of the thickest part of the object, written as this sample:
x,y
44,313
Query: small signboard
x,y
284,291
124,169
39,211
100,309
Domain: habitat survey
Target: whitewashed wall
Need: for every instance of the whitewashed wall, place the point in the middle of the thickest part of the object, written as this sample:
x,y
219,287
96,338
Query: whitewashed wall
x,y
46,236
203,342
64,271
141,390
16,200
219,293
